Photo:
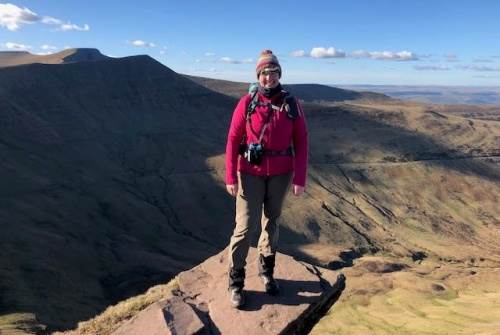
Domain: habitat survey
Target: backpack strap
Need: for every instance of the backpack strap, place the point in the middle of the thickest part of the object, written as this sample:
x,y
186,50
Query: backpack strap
x,y
254,102
290,106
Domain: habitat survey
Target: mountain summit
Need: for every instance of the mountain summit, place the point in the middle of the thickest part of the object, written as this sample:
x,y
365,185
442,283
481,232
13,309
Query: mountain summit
x,y
14,58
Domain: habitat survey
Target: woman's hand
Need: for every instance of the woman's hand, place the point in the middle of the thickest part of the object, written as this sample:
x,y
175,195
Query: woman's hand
x,y
298,190
232,189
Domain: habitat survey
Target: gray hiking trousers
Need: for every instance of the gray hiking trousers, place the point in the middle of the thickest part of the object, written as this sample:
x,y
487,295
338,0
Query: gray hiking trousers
x,y
259,202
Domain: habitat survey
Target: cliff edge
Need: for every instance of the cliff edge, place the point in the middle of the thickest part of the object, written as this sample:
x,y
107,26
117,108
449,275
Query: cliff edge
x,y
201,304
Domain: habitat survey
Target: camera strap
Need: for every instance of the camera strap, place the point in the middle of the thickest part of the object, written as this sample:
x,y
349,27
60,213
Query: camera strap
x,y
260,135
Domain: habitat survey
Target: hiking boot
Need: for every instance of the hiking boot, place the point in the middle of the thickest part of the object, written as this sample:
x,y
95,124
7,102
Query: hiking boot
x,y
271,285
236,282
236,297
266,273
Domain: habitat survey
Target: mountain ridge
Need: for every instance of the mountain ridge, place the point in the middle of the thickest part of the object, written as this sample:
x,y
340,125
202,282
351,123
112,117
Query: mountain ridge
x,y
306,92
17,58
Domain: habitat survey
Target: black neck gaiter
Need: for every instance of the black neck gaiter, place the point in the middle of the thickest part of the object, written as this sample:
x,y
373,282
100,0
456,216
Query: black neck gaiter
x,y
269,92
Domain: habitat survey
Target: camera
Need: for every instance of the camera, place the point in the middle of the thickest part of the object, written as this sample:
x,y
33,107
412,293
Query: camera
x,y
253,153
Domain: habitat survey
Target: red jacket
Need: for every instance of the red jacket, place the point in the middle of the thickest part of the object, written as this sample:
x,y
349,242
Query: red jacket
x,y
281,133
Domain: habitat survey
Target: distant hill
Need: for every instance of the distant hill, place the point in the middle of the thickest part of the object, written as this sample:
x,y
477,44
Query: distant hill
x,y
487,95
306,92
14,58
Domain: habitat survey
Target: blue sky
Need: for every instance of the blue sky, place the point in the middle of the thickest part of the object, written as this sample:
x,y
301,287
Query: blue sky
x,y
329,42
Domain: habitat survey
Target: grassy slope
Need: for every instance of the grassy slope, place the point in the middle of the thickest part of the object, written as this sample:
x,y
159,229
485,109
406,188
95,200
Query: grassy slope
x,y
447,208
103,324
427,299
108,321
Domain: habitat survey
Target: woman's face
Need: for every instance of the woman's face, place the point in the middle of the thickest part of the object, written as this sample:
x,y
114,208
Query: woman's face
x,y
269,79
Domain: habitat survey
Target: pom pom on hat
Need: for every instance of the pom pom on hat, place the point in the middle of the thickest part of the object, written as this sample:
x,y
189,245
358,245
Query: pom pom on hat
x,y
267,60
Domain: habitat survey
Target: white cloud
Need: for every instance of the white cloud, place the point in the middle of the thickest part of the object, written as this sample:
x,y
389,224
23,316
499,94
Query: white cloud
x,y
298,53
389,55
385,55
16,46
162,52
360,54
71,26
141,43
209,54
331,52
13,17
229,60
48,47
431,68
51,20
44,53
64,26
479,68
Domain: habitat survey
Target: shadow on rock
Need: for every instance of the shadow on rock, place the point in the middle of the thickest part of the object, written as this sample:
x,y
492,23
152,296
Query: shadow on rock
x,y
294,293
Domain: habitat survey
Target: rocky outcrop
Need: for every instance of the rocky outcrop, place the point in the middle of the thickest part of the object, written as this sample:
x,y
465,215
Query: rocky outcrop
x,y
201,306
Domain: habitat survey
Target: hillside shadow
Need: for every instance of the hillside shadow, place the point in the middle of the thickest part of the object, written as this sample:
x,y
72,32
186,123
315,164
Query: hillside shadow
x,y
110,194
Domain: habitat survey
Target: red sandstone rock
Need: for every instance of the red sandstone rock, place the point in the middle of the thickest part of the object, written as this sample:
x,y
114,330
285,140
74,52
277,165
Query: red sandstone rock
x,y
202,305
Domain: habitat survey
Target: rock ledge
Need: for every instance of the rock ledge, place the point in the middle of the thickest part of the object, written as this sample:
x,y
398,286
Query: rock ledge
x,y
201,306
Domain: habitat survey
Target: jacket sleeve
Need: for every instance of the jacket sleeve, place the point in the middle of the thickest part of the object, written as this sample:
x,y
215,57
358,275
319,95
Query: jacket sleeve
x,y
300,144
234,137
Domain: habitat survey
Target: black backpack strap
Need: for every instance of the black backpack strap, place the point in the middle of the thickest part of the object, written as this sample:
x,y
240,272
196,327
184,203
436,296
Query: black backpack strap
x,y
290,106
254,102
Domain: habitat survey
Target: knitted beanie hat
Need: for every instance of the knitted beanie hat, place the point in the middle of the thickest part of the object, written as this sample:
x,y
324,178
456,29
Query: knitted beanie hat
x,y
267,60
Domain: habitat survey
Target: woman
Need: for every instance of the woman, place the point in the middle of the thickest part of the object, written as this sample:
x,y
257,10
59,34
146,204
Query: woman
x,y
266,152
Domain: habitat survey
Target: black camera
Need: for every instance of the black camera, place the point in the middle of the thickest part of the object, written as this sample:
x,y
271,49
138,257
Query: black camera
x,y
253,153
